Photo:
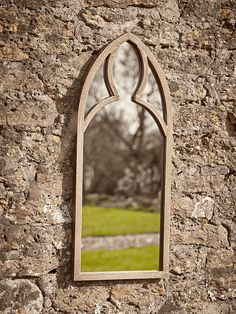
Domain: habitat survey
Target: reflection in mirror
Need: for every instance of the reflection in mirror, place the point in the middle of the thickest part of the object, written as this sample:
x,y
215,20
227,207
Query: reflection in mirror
x,y
123,166
126,70
151,92
97,91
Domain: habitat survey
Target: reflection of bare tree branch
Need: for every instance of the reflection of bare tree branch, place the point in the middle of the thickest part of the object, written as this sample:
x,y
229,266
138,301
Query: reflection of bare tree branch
x,y
139,134
116,131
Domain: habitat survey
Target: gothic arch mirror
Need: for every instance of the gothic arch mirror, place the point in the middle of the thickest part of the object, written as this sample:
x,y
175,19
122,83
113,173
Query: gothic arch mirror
x,y
124,138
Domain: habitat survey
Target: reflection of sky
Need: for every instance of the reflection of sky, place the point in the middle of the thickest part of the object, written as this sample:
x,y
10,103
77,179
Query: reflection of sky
x,y
151,92
97,91
126,71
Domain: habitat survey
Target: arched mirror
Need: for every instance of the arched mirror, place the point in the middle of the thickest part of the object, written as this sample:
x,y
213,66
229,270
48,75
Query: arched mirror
x,y
123,166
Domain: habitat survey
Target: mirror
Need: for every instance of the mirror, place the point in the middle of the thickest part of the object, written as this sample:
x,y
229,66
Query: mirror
x,y
122,174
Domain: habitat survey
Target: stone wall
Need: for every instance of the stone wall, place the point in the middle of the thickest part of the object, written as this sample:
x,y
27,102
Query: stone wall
x,y
45,47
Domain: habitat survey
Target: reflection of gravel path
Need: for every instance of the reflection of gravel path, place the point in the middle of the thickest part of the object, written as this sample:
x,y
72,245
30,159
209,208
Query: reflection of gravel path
x,y
120,241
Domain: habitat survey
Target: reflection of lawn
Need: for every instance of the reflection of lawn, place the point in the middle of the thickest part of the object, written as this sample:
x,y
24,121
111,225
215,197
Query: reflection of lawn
x,y
108,221
138,258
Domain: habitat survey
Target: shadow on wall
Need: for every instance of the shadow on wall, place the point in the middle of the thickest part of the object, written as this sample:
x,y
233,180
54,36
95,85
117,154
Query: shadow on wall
x,y
68,108
231,123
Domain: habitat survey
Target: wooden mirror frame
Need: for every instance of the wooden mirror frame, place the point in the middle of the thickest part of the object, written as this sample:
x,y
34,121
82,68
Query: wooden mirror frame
x,y
146,59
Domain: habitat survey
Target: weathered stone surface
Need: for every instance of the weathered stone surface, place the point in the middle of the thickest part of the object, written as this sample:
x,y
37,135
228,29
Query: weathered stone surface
x,y
207,235
45,49
12,53
20,296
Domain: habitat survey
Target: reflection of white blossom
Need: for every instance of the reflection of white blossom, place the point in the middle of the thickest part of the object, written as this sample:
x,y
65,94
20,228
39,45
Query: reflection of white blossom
x,y
142,180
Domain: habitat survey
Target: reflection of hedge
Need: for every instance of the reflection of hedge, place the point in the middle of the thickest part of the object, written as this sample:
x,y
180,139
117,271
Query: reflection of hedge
x,y
109,221
141,258
136,202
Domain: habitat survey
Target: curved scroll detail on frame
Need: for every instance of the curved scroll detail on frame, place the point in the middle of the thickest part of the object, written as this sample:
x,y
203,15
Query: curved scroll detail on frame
x,y
146,59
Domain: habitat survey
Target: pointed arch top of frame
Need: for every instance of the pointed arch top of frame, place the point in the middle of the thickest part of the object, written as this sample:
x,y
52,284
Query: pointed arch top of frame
x,y
146,59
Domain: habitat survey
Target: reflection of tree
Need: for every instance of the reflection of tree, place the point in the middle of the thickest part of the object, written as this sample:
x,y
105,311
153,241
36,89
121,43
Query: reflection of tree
x,y
123,147
117,161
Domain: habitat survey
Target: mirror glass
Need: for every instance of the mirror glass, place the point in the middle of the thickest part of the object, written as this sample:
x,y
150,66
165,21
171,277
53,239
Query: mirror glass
x,y
151,92
97,91
123,165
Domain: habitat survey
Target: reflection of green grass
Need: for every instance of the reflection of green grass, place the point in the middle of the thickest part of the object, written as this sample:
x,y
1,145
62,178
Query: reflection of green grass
x,y
138,258
108,221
